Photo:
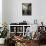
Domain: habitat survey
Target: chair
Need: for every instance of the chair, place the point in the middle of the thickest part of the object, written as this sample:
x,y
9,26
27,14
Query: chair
x,y
42,37
9,42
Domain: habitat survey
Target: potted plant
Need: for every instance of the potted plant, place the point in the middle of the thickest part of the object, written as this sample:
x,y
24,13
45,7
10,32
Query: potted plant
x,y
3,34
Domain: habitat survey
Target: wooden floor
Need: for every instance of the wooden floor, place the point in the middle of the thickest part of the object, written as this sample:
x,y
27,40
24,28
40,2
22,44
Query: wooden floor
x,y
36,44
32,45
42,45
1,45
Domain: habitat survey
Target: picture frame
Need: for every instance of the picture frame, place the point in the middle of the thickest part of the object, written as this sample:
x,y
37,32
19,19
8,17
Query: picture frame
x,y
26,9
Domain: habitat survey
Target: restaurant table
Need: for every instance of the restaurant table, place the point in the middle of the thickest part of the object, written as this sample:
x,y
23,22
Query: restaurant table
x,y
23,42
26,42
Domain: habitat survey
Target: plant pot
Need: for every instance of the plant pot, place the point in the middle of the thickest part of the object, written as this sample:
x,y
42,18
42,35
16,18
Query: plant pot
x,y
2,40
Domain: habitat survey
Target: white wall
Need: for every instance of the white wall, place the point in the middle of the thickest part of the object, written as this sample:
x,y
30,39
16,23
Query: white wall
x,y
4,11
13,11
0,13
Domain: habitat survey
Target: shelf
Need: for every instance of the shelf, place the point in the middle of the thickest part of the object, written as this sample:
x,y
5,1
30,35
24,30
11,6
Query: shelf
x,y
17,28
12,32
16,32
19,32
19,25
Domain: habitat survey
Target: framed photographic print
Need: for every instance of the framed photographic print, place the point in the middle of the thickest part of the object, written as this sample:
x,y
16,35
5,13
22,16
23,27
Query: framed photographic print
x,y
26,8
